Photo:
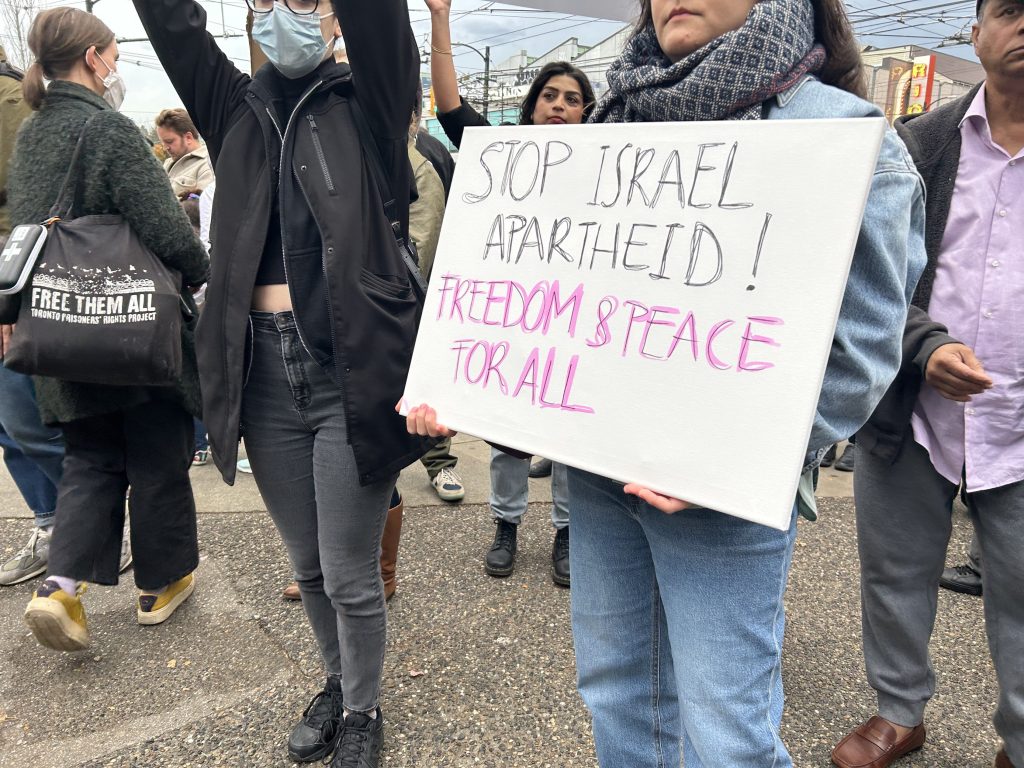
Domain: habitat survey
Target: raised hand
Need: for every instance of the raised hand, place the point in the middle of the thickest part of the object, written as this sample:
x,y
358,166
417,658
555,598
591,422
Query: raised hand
x,y
439,6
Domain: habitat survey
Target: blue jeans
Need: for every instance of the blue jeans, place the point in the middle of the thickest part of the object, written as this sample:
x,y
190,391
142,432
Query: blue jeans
x,y
33,452
510,490
678,624
201,441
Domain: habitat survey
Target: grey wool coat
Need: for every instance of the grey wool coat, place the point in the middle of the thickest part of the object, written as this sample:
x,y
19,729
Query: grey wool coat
x,y
120,175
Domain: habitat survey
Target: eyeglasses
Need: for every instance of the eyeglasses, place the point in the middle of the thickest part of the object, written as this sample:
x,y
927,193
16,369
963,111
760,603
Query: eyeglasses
x,y
298,7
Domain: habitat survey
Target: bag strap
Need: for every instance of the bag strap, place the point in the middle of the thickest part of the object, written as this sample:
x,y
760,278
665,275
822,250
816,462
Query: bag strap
x,y
373,154
69,187
6,70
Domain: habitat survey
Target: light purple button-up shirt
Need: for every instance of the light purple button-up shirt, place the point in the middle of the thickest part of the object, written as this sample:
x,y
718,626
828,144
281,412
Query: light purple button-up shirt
x,y
978,294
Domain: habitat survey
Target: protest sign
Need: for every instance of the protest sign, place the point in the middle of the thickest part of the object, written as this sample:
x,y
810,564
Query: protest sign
x,y
650,302
615,10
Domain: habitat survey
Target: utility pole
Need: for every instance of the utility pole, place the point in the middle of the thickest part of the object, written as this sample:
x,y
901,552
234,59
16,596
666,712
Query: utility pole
x,y
487,77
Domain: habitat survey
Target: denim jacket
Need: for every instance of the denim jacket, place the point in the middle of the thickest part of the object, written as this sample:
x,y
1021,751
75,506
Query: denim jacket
x,y
887,263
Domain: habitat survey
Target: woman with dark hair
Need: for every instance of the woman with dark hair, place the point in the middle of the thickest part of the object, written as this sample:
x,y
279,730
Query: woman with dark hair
x,y
677,610
561,94
115,436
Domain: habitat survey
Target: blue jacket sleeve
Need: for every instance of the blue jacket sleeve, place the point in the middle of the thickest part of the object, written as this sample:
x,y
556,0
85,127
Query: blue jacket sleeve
x,y
887,263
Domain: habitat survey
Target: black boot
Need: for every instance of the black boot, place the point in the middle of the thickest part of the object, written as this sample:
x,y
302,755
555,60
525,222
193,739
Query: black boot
x,y
318,732
361,741
540,468
848,460
501,560
560,557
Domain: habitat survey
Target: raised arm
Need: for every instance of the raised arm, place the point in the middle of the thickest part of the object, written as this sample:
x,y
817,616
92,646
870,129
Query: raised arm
x,y
452,112
385,63
442,65
207,81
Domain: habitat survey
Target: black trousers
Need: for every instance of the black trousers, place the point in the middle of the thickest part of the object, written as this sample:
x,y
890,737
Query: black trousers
x,y
149,448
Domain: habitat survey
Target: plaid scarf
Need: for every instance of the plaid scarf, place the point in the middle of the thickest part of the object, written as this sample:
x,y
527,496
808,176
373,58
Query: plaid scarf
x,y
727,79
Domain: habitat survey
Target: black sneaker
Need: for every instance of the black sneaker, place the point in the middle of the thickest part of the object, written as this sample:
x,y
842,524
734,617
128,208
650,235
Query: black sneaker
x,y
501,560
361,741
318,732
963,579
560,557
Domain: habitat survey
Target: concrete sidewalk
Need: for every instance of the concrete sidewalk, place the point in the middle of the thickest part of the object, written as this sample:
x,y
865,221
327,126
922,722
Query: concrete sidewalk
x,y
479,671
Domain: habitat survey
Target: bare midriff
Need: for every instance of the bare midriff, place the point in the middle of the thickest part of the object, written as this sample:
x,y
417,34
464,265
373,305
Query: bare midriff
x,y
271,298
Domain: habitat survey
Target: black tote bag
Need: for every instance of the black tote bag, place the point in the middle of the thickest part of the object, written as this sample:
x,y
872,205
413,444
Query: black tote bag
x,y
100,308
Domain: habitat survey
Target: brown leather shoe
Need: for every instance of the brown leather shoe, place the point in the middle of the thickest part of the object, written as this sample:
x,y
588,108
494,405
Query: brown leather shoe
x,y
291,592
1003,760
389,549
875,744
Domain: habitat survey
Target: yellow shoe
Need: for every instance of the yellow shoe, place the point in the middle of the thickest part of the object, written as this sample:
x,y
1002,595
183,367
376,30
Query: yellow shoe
x,y
57,619
156,609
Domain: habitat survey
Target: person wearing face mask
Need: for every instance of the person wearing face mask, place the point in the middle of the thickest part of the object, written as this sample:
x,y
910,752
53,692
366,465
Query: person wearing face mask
x,y
114,436
677,611
561,94
310,317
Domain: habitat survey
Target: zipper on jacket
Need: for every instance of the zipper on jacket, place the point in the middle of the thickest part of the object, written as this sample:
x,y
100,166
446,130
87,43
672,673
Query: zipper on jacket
x,y
320,153
280,206
345,369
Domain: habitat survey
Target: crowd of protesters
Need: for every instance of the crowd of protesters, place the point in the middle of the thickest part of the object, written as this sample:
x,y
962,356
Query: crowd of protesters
x,y
299,292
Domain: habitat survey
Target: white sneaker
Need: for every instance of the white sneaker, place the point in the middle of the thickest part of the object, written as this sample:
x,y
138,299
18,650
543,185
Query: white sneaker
x,y
448,485
126,546
28,562
244,466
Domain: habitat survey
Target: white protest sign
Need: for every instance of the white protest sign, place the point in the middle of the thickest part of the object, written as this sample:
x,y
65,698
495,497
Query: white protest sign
x,y
650,302
616,10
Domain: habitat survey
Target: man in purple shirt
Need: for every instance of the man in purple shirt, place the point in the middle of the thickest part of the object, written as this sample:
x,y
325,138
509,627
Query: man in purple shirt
x,y
955,413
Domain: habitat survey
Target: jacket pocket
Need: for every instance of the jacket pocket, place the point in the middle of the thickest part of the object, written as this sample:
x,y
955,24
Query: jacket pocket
x,y
390,286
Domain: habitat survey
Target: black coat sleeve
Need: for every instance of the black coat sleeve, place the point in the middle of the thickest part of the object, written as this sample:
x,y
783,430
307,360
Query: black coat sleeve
x,y
385,68
455,122
209,84
385,62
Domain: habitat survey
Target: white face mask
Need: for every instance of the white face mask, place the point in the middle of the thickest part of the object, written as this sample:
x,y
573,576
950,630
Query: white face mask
x,y
114,86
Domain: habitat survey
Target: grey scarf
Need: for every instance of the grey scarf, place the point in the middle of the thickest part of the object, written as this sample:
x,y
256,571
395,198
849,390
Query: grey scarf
x,y
727,79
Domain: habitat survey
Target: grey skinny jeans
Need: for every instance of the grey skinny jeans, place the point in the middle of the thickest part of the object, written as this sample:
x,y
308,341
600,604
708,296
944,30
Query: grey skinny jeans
x,y
293,420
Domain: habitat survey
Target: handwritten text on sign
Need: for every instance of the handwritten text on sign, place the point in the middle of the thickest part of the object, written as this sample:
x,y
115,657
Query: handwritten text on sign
x,y
648,302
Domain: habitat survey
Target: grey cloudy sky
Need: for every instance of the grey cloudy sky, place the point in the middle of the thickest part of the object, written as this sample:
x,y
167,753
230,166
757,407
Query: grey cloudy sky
x,y
504,28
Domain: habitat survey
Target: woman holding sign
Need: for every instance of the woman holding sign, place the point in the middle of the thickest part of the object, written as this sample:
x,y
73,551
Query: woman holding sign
x,y
677,611
561,94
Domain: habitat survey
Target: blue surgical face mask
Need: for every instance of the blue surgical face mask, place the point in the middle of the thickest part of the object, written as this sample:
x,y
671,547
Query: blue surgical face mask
x,y
294,44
